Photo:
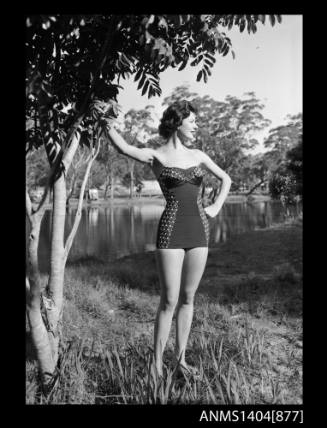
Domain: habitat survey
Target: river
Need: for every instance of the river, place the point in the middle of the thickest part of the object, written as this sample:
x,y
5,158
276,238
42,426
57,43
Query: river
x,y
118,230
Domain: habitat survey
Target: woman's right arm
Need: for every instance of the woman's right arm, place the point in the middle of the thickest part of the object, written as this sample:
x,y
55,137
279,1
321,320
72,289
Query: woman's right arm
x,y
141,154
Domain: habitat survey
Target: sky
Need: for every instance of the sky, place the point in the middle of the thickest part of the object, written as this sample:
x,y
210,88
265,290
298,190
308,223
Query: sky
x,y
268,63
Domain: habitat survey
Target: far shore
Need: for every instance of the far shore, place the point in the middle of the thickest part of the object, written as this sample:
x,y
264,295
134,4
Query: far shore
x,y
123,200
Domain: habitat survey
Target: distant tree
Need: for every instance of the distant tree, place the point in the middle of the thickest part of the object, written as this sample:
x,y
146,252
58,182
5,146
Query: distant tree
x,y
287,182
226,128
137,131
294,159
114,165
285,143
258,170
283,138
36,168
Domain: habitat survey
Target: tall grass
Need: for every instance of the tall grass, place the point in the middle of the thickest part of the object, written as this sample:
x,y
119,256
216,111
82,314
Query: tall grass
x,y
229,373
246,343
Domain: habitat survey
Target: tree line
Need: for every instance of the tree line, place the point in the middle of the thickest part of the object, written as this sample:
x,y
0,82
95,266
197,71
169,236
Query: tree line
x,y
226,131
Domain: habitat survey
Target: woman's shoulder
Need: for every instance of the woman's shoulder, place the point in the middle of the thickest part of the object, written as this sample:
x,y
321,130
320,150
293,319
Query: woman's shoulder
x,y
159,154
199,154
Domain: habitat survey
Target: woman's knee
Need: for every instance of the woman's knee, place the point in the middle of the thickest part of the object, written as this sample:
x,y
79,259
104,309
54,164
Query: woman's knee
x,y
168,303
186,298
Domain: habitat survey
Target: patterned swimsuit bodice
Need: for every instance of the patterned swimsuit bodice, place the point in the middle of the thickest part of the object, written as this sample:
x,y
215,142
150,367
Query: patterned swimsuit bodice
x,y
183,222
171,177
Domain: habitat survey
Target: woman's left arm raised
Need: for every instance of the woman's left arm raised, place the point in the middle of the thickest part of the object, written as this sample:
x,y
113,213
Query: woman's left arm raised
x,y
213,210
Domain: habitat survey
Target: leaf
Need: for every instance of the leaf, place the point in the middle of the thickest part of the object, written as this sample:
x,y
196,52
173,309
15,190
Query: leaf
x,y
197,60
145,87
225,50
208,63
262,18
199,76
183,65
211,57
141,82
125,60
138,74
279,18
272,19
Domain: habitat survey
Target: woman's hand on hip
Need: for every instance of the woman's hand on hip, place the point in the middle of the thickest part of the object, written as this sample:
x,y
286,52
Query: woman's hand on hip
x,y
211,211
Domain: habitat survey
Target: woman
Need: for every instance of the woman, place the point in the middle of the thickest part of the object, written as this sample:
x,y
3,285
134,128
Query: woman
x,y
183,231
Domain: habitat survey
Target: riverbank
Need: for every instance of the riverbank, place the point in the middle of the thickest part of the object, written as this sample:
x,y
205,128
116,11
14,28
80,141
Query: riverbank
x,y
246,335
124,200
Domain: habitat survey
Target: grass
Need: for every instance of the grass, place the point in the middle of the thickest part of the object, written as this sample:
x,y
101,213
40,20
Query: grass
x,y
246,336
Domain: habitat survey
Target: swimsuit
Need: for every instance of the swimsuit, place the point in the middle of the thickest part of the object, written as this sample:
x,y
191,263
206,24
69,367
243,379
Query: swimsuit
x,y
183,223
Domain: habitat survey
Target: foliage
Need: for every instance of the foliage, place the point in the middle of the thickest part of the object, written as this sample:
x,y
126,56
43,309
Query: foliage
x,y
285,143
286,183
74,59
282,138
295,165
225,128
283,186
36,168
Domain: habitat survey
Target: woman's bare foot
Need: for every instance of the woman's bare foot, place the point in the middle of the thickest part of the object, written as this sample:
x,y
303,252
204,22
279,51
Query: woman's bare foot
x,y
158,368
187,370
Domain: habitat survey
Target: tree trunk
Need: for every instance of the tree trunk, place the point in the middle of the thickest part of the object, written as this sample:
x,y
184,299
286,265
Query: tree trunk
x,y
38,331
131,188
112,183
52,299
106,188
54,294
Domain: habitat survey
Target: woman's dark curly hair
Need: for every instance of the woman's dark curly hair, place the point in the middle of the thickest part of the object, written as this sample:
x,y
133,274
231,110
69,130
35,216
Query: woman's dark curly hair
x,y
173,117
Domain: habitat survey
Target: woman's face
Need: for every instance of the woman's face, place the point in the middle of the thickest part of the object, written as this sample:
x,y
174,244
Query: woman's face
x,y
186,132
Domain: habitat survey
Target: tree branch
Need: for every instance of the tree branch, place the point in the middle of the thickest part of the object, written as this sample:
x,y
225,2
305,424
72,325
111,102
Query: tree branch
x,y
102,59
42,103
47,187
28,206
78,214
69,154
256,186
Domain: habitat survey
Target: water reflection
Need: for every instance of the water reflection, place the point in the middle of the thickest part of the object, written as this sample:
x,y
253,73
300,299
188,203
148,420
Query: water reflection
x,y
114,231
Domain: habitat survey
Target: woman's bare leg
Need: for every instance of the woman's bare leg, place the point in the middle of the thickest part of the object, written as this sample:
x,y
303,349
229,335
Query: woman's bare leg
x,y
169,264
194,264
